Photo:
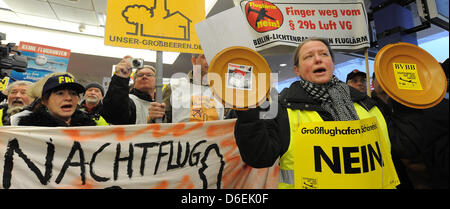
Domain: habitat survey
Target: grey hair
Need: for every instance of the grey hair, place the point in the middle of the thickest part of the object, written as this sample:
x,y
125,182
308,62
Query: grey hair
x,y
324,41
17,83
145,66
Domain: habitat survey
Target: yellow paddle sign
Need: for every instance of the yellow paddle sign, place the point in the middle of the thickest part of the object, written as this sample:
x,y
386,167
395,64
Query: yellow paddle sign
x,y
160,25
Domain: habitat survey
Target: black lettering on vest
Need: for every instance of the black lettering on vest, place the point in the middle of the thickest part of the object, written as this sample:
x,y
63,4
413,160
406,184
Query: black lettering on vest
x,y
377,156
349,160
365,164
334,165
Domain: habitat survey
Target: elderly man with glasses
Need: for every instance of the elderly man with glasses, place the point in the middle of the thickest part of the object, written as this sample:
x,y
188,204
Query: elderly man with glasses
x,y
121,106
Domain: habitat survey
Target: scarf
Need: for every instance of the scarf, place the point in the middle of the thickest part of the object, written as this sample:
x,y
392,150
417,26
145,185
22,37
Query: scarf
x,y
334,97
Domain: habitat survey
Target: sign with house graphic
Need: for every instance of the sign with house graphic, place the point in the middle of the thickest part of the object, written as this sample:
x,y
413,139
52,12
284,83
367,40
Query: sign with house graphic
x,y
160,25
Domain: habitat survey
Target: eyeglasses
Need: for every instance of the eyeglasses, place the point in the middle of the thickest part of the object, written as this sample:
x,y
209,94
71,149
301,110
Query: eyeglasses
x,y
144,74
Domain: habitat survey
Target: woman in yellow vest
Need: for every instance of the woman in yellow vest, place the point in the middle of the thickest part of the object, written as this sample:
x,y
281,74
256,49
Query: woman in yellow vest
x,y
325,133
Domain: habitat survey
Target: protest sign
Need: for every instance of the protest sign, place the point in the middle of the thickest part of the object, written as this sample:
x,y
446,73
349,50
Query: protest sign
x,y
41,60
274,27
160,25
192,155
290,22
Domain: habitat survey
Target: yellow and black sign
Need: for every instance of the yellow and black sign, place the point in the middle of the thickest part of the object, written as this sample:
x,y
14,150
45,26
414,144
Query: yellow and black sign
x,y
343,154
160,25
4,83
407,76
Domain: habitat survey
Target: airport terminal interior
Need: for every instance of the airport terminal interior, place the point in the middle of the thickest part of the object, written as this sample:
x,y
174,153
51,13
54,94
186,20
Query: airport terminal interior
x,y
79,25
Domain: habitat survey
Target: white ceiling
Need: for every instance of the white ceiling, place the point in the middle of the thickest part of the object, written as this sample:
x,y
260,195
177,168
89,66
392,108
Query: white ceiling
x,y
89,15
76,11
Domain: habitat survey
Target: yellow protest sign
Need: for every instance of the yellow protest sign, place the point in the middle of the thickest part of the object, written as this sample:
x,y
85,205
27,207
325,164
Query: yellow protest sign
x,y
160,25
343,154
4,83
203,108
406,76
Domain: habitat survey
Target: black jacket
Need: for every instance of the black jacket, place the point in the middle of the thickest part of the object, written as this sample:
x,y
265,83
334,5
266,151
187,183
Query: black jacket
x,y
95,112
262,142
118,108
421,135
42,118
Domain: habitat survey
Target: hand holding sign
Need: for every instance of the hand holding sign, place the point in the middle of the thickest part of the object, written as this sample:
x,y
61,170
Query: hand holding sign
x,y
156,110
123,69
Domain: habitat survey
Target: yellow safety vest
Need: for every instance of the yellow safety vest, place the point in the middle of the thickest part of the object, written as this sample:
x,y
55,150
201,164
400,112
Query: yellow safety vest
x,y
100,121
286,180
1,117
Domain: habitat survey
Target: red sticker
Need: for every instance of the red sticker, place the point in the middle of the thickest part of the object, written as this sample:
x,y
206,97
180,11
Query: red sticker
x,y
263,16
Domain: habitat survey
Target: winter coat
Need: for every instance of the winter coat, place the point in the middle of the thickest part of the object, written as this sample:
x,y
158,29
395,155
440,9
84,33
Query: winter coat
x,y
420,138
262,142
118,107
41,117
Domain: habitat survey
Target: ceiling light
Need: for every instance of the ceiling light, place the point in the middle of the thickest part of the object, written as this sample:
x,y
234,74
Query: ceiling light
x,y
101,19
82,27
283,65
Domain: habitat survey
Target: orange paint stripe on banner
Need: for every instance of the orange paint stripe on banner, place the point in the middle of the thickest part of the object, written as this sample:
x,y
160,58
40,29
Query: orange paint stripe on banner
x,y
233,167
78,184
185,183
244,173
163,185
177,130
75,134
219,130
229,143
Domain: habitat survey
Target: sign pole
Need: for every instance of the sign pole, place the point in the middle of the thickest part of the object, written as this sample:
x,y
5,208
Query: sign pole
x,y
366,55
159,79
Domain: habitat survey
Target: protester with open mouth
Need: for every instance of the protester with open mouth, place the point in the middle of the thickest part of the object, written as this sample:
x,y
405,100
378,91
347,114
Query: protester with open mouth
x,y
58,95
318,98
17,100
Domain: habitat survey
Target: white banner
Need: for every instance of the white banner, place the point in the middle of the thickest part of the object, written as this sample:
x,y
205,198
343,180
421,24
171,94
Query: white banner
x,y
281,22
275,27
162,156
